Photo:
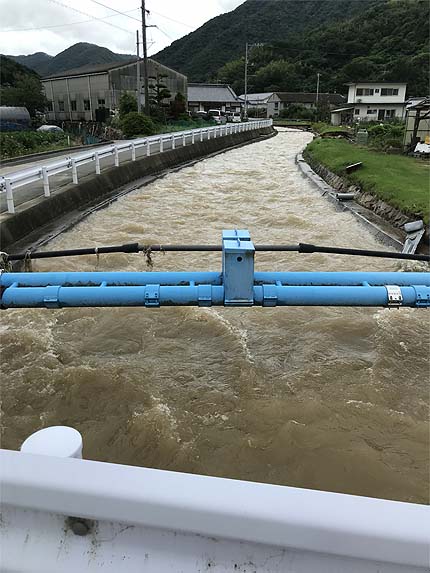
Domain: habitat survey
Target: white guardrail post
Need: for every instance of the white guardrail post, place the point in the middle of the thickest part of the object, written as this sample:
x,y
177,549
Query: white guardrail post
x,y
133,152
148,148
97,159
184,140
116,156
173,141
46,191
74,171
9,196
161,145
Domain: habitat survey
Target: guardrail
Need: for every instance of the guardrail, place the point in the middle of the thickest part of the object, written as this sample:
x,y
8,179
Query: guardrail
x,y
13,181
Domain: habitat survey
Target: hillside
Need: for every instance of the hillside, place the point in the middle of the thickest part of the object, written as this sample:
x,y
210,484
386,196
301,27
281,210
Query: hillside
x,y
380,43
78,55
11,72
200,54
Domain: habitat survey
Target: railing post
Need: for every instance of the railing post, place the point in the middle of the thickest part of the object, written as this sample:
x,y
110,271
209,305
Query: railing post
x,y
116,156
74,171
161,144
133,152
9,197
183,140
201,134
193,139
215,128
45,182
148,148
173,141
97,158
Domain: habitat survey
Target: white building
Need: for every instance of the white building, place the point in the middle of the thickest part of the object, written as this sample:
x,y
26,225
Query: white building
x,y
377,101
262,104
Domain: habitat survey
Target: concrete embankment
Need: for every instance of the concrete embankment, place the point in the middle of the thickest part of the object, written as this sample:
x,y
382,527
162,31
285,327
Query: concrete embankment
x,y
383,220
44,216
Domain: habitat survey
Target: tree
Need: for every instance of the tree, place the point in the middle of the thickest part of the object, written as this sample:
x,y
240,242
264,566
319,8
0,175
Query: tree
x,y
137,124
127,104
27,92
177,106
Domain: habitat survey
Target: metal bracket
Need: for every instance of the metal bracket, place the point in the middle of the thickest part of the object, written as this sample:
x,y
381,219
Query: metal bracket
x,y
152,296
51,297
204,295
423,295
238,268
394,294
270,296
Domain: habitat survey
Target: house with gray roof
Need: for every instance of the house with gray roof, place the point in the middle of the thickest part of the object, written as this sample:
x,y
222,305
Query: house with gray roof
x,y
265,104
89,93
203,97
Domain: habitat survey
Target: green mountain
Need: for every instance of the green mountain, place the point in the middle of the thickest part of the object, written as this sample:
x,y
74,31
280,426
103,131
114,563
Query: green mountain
x,y
11,72
78,55
201,53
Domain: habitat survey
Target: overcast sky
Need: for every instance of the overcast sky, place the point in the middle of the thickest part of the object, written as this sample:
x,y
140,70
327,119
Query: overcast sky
x,y
28,26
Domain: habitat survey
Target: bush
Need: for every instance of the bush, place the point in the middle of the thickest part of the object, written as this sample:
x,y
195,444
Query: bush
x,y
24,142
298,112
137,124
127,104
386,135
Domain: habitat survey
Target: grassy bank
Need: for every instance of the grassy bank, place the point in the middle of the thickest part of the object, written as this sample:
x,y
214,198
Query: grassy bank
x,y
20,143
400,181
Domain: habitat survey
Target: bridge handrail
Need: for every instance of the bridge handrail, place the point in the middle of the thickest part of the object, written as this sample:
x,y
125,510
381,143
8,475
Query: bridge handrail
x,y
13,181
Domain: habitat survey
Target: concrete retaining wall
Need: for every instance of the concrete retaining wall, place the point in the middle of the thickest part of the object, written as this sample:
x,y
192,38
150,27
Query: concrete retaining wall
x,y
92,190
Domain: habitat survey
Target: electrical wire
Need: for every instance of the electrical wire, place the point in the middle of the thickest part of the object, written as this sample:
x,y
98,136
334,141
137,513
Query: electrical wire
x,y
173,20
89,15
117,11
64,25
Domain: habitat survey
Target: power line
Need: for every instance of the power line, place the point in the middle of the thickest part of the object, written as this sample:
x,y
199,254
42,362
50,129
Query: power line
x,y
113,10
89,15
64,25
172,20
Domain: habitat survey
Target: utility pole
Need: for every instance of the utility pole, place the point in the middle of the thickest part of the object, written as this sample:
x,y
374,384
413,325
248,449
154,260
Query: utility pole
x,y
145,58
318,88
245,115
138,87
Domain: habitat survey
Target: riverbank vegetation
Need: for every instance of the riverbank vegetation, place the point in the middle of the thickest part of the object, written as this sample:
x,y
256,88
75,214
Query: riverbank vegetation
x,y
400,181
19,143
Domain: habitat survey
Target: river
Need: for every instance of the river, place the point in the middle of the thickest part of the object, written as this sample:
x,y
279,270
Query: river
x,y
327,398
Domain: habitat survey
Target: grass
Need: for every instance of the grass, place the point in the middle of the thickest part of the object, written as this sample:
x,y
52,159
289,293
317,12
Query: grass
x,y
400,181
290,122
321,128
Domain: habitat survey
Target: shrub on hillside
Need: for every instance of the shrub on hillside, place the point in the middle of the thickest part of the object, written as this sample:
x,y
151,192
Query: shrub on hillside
x,y
135,124
23,142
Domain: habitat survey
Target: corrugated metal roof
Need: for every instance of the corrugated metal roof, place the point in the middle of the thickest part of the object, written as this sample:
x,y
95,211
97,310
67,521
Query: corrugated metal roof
x,y
261,97
10,113
100,68
211,93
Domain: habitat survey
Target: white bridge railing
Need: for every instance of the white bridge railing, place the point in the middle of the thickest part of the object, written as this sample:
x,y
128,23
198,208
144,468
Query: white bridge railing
x,y
13,181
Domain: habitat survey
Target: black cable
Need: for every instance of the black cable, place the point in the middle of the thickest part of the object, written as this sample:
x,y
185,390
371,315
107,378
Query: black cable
x,y
136,248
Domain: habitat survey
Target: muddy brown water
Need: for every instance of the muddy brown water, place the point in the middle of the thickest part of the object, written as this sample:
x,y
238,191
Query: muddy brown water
x,y
328,398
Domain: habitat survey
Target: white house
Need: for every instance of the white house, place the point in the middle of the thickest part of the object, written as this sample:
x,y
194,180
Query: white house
x,y
263,104
373,101
417,127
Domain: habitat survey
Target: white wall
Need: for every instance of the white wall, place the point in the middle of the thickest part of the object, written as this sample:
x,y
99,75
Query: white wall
x,y
377,97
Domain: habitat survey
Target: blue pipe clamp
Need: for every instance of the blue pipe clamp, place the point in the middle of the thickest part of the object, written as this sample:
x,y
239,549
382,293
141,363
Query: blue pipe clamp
x,y
237,285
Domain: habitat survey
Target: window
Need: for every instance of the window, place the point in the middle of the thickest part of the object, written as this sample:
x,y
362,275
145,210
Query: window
x,y
390,113
356,111
364,91
276,104
376,90
73,105
50,106
61,105
101,102
389,91
87,105
371,112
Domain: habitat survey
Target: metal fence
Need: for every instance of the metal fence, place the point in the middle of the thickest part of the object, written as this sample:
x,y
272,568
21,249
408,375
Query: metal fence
x,y
14,181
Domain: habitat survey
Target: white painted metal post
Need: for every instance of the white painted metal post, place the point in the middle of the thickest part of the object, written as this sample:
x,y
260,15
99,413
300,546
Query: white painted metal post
x,y
183,140
9,197
173,141
161,144
133,152
116,156
193,137
148,148
215,128
97,158
45,182
74,172
201,134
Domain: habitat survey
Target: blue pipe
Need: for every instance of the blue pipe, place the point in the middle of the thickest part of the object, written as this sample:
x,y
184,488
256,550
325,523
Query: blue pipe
x,y
214,278
204,295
